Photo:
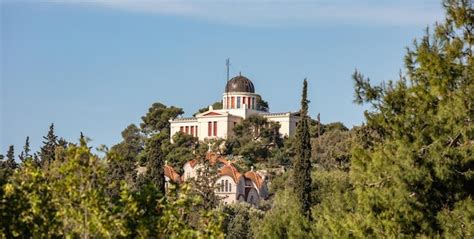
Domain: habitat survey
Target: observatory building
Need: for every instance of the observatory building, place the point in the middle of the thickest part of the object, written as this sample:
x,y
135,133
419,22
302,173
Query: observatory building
x,y
239,101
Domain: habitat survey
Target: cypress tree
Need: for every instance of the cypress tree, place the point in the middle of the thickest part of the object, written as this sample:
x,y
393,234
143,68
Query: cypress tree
x,y
302,163
155,173
49,147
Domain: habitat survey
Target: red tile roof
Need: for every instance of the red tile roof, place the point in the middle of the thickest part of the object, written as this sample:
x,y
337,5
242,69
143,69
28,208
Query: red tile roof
x,y
212,158
171,174
231,171
255,177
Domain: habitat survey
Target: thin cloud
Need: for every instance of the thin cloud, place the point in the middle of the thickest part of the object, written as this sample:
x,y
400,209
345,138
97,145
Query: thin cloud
x,y
277,13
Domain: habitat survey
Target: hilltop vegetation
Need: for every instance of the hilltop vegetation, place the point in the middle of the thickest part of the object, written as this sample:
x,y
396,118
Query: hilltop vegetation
x,y
407,171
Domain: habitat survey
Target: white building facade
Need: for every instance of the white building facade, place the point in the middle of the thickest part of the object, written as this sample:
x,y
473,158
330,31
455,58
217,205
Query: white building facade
x,y
239,101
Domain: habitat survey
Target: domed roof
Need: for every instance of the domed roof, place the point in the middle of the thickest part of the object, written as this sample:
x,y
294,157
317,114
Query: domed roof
x,y
240,84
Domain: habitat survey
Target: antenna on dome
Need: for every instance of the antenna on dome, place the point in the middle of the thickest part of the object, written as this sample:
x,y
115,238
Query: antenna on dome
x,y
227,64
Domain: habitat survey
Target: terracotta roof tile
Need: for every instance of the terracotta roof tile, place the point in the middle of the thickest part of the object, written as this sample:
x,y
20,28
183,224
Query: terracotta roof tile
x,y
171,174
255,177
212,158
231,171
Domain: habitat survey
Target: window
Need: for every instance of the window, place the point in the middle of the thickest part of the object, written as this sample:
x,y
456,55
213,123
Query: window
x,y
248,102
232,102
196,131
192,130
215,128
226,185
230,187
222,185
181,129
253,103
209,128
187,130
238,102
243,100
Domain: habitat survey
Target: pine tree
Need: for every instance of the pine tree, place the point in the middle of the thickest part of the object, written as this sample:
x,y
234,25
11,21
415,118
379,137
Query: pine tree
x,y
49,147
8,165
413,175
62,143
155,172
122,160
25,154
11,155
302,163
7,168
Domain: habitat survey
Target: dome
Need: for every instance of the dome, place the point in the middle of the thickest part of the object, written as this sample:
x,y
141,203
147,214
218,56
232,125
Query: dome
x,y
240,84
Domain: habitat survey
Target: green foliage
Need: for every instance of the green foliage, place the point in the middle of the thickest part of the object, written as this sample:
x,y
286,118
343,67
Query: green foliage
x,y
457,221
302,160
47,152
25,154
180,151
183,216
26,207
284,219
79,196
334,126
69,199
7,167
11,155
155,174
332,150
414,173
131,145
317,129
122,160
334,202
157,118
255,138
261,104
407,172
239,220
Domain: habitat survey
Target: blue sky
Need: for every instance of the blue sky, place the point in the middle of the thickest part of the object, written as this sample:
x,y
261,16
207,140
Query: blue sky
x,y
97,66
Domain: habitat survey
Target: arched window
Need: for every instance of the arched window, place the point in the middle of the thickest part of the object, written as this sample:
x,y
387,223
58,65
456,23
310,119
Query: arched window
x,y
230,187
226,185
222,185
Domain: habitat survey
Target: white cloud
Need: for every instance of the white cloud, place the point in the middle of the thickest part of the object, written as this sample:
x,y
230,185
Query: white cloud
x,y
275,13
